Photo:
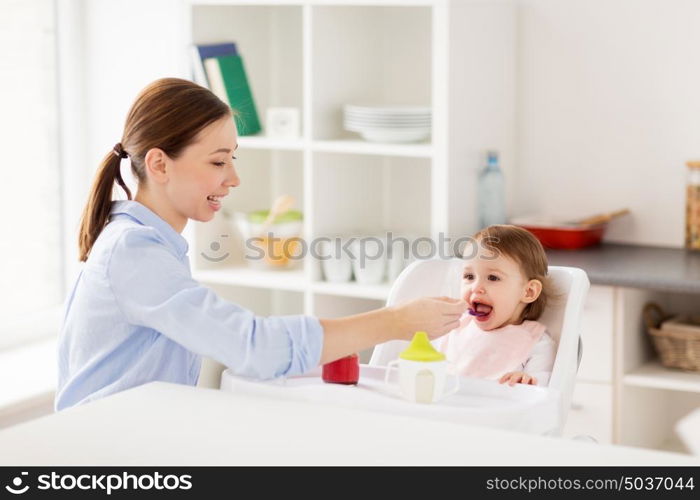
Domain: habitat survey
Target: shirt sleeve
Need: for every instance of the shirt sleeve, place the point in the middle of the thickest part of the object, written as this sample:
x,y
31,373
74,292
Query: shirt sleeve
x,y
155,289
541,361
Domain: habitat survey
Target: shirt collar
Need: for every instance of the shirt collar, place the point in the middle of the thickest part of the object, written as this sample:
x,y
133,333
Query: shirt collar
x,y
144,216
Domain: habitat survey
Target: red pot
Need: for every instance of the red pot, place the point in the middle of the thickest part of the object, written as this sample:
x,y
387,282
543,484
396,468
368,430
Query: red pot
x,y
342,371
566,237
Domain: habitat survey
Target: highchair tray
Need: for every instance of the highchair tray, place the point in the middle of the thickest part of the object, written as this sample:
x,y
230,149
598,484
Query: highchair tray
x,y
522,408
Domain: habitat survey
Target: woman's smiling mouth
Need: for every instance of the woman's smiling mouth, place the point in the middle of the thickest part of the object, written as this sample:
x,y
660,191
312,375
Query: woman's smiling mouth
x,y
215,201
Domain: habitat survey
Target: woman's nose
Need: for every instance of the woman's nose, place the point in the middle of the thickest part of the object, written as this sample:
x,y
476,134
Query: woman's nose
x,y
232,180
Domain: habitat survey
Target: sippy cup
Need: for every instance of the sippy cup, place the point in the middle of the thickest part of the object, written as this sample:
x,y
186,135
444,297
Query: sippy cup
x,y
422,372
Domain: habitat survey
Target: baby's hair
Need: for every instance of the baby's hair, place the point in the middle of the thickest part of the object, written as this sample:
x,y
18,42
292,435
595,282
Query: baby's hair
x,y
527,251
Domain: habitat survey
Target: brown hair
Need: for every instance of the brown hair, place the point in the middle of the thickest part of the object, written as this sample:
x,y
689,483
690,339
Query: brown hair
x,y
167,114
521,246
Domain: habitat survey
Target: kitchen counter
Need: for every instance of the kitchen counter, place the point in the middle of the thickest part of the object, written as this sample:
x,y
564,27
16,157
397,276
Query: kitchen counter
x,y
653,268
169,424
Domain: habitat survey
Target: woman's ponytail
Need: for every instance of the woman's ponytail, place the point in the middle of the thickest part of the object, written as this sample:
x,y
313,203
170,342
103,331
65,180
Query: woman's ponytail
x,y
99,203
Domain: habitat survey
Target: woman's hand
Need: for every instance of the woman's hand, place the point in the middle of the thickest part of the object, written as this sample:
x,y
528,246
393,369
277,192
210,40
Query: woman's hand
x,y
434,315
513,378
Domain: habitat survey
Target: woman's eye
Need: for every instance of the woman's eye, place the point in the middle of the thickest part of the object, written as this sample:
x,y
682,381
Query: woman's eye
x,y
222,163
493,277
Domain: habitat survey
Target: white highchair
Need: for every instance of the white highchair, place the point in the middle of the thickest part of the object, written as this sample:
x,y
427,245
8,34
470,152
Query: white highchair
x,y
562,316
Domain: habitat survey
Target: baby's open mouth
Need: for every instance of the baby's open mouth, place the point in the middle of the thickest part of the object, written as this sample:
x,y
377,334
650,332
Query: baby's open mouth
x,y
480,310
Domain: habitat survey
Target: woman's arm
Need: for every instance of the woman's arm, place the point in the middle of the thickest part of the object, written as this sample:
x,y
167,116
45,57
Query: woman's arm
x,y
153,289
434,315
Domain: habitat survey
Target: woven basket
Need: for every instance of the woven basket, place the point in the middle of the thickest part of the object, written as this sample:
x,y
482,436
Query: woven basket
x,y
676,338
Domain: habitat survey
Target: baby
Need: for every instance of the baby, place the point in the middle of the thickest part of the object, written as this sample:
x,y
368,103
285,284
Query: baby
x,y
506,287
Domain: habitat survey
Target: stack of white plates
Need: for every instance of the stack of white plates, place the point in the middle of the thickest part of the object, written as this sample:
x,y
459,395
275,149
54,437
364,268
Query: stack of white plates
x,y
388,124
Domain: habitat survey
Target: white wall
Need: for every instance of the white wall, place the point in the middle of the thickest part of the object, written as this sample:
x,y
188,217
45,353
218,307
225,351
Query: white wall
x,y
108,51
607,101
128,44
483,79
609,111
30,197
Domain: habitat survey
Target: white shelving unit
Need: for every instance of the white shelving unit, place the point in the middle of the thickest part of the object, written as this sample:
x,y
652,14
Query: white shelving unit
x,y
654,376
458,57
370,148
650,398
242,276
269,143
623,394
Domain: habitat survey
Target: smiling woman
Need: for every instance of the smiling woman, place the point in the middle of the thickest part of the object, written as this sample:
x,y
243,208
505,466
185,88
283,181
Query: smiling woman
x,y
136,315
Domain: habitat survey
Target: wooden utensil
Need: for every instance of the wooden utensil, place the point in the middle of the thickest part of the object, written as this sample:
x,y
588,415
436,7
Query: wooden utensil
x,y
599,218
281,205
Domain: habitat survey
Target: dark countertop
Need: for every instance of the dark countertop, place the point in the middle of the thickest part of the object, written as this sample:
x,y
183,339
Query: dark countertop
x,y
654,268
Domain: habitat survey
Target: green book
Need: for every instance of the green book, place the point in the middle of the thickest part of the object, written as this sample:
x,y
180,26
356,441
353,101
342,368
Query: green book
x,y
239,95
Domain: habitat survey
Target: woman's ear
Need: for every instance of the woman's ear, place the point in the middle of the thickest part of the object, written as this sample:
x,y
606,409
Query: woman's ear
x,y
532,291
156,161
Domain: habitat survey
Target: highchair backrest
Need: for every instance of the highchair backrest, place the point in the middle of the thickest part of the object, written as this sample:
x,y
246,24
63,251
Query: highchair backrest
x,y
562,315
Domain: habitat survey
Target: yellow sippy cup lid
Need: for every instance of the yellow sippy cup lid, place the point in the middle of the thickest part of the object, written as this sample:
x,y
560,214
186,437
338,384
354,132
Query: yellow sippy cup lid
x,y
421,349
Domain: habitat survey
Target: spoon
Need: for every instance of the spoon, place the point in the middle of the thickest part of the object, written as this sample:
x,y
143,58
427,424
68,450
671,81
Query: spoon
x,y
474,312
599,218
281,205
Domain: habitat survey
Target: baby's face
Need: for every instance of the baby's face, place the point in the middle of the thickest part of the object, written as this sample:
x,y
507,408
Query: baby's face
x,y
495,285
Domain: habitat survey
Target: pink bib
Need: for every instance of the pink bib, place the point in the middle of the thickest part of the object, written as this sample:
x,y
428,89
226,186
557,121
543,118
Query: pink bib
x,y
474,352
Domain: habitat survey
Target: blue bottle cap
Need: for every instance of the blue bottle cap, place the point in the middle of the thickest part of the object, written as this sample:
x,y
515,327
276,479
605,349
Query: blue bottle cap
x,y
492,158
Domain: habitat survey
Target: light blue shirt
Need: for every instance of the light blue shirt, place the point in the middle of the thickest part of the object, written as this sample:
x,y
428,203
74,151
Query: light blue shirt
x,y
135,315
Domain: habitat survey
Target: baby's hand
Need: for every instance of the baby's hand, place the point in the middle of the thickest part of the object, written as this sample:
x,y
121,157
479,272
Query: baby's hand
x,y
517,378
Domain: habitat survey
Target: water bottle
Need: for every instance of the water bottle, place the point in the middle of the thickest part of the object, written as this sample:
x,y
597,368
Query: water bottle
x,y
491,193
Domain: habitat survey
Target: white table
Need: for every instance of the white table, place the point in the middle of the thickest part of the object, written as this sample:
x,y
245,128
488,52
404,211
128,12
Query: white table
x,y
168,424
